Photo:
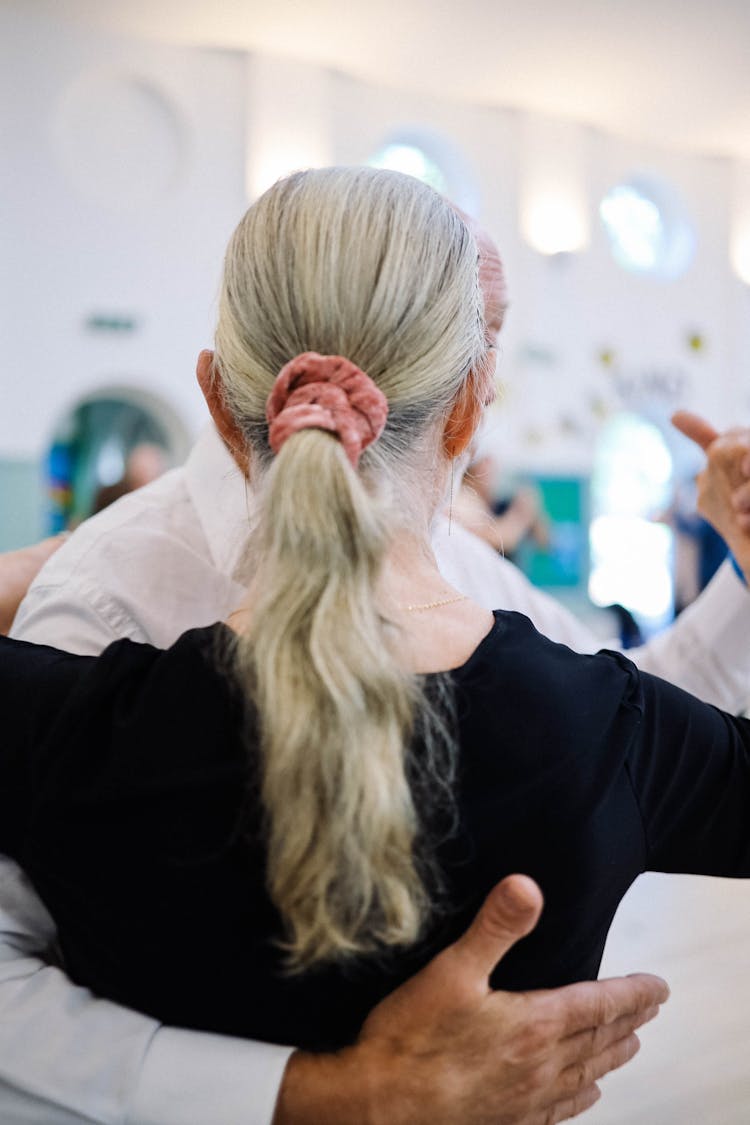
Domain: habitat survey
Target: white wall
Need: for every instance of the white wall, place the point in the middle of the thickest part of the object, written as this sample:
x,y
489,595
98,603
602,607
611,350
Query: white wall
x,y
573,311
67,253
565,314
245,119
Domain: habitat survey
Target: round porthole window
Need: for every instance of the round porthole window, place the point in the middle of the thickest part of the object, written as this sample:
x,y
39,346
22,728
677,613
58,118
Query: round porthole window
x,y
433,159
648,228
412,161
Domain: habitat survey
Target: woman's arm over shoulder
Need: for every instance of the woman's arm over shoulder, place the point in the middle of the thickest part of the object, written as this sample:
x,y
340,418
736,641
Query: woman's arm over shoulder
x,y
688,762
35,682
73,719
66,1055
689,765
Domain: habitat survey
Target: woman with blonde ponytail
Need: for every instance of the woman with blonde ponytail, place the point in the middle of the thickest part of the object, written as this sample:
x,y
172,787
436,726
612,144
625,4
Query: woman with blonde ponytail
x,y
292,814
378,269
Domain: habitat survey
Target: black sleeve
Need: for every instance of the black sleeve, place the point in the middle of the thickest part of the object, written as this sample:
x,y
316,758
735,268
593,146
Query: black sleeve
x,y
35,682
689,765
78,729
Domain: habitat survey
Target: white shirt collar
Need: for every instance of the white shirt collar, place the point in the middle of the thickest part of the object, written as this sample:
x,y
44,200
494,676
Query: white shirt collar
x,y
217,489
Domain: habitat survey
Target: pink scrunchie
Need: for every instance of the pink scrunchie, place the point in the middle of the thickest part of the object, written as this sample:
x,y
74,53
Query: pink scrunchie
x,y
326,392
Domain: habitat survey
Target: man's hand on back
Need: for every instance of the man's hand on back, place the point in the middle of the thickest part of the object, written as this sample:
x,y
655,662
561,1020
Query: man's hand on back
x,y
444,1049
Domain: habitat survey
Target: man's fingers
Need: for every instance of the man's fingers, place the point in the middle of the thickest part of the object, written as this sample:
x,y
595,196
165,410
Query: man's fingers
x,y
694,427
509,912
583,1074
587,1044
567,1108
591,1003
576,1088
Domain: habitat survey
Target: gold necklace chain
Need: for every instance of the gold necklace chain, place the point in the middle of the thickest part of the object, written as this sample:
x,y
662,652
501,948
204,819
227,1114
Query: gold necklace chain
x,y
436,605
420,607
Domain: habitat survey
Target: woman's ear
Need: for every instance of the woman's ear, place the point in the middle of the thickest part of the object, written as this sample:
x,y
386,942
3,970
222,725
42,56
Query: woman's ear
x,y
465,416
213,392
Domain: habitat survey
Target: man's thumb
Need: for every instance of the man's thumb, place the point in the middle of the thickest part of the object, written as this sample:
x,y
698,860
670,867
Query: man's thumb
x,y
696,428
510,912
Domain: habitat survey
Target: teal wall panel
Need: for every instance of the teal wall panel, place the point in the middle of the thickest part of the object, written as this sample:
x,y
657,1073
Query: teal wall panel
x,y
22,503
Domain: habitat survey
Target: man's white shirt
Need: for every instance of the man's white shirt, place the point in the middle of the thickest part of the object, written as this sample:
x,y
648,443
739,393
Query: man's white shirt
x,y
162,560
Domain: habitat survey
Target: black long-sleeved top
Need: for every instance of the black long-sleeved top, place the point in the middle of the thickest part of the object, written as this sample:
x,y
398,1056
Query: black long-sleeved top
x,y
126,793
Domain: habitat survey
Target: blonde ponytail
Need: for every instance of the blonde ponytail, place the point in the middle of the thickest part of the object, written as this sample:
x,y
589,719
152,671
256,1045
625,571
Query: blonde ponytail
x,y
336,712
376,267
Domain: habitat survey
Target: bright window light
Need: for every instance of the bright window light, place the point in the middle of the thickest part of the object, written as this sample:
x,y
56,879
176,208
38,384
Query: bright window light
x,y
647,227
633,469
412,161
555,224
635,228
631,554
631,565
110,463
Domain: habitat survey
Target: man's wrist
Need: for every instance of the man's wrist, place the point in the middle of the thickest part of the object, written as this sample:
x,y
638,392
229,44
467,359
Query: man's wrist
x,y
325,1089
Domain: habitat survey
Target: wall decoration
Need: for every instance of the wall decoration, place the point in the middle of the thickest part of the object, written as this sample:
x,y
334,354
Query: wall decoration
x,y
599,408
667,386
533,436
571,426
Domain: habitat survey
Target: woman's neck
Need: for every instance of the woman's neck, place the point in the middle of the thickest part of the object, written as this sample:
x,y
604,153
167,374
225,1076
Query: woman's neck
x,y
436,626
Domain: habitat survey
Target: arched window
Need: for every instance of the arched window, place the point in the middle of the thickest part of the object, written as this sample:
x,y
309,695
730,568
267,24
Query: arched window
x,y
631,554
91,445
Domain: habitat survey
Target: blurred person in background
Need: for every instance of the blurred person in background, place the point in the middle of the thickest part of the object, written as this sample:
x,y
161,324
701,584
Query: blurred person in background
x,y
144,463
502,524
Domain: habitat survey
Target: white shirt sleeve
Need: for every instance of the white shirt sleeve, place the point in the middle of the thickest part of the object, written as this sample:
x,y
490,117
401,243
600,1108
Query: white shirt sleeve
x,y
191,1078
67,1057
47,617
706,651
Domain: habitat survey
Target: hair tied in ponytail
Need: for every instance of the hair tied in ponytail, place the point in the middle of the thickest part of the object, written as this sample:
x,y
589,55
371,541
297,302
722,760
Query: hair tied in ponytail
x,y
326,392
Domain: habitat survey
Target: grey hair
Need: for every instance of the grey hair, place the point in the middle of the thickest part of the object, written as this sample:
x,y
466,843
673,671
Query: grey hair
x,y
376,267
